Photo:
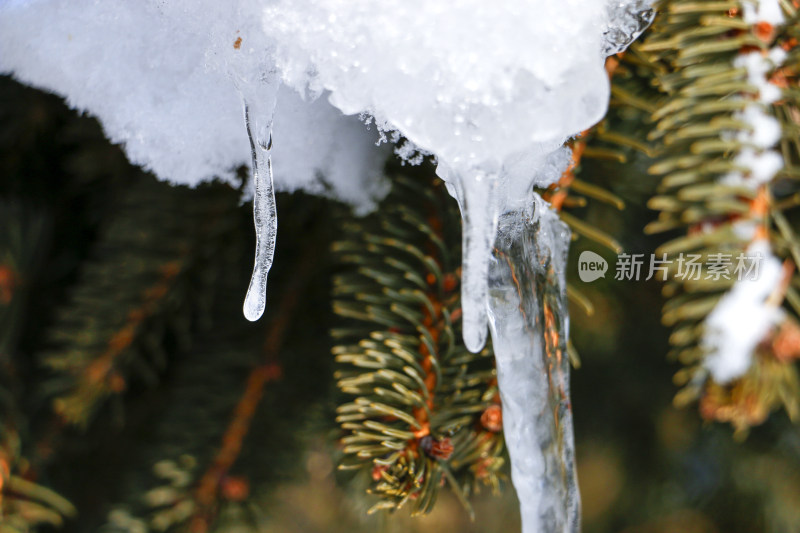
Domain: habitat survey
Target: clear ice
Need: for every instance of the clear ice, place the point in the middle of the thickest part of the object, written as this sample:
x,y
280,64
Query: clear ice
x,y
477,200
259,109
530,326
630,18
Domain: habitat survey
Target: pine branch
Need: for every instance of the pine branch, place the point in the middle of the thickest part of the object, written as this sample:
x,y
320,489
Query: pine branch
x,y
146,285
235,405
426,411
24,505
698,51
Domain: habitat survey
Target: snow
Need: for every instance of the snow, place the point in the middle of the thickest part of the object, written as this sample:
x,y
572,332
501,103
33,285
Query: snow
x,y
758,66
466,80
759,162
158,76
474,83
763,11
491,90
742,318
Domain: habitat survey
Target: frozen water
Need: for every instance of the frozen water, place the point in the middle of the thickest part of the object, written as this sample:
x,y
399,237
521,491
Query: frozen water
x,y
258,121
469,81
474,83
530,326
477,199
628,20
492,90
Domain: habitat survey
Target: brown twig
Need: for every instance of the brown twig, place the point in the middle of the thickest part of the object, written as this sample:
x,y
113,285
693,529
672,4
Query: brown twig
x,y
269,370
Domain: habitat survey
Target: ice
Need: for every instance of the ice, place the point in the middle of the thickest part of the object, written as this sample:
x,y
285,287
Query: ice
x,y
529,322
479,86
477,199
475,84
259,99
491,90
630,18
469,81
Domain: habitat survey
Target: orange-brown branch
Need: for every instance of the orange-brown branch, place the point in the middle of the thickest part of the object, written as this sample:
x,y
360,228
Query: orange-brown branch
x,y
270,370
100,377
432,324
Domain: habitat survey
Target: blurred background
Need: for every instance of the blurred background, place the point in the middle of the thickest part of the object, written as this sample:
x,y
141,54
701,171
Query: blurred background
x,y
130,376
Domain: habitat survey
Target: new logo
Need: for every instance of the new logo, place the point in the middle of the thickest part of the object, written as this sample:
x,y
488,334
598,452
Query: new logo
x,y
591,266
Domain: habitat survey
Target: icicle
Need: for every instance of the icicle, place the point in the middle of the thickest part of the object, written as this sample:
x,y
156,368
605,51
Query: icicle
x,y
529,322
265,216
476,192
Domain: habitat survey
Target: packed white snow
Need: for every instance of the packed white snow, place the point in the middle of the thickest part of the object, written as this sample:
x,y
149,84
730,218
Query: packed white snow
x,y
769,11
490,89
159,77
758,159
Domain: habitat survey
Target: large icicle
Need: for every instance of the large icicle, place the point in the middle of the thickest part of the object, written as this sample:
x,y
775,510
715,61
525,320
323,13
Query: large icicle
x,y
259,109
529,322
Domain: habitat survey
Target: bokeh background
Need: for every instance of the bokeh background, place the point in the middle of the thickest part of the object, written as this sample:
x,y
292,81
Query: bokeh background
x,y
82,233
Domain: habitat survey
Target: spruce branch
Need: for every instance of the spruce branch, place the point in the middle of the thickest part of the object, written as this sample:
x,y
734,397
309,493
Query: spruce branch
x,y
425,411
211,482
24,505
146,285
698,52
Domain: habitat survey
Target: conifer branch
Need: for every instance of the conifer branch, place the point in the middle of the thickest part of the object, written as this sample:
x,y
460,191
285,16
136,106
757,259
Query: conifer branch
x,y
135,293
426,410
704,52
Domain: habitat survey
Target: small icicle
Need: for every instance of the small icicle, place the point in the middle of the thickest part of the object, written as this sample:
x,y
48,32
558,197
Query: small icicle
x,y
265,215
477,197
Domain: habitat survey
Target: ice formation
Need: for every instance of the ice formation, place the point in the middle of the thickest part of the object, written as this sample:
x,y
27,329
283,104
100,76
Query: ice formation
x,y
258,102
474,83
492,90
530,326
